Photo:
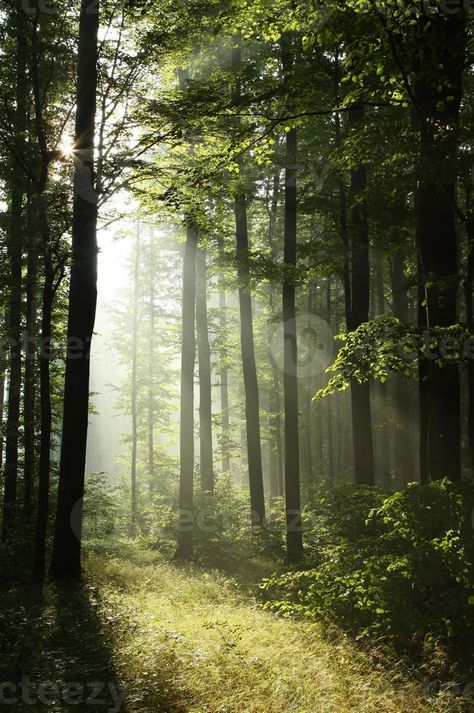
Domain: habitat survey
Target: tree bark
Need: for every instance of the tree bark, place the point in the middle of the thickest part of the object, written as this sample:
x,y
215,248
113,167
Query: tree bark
x,y
403,442
224,372
188,357
134,388
14,254
205,385
42,514
151,373
468,284
438,97
30,362
294,536
66,556
359,313
252,403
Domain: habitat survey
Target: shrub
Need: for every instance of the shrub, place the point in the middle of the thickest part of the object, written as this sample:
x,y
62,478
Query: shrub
x,y
396,568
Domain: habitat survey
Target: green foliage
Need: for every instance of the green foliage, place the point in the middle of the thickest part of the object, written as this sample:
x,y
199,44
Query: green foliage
x,y
397,569
100,508
385,345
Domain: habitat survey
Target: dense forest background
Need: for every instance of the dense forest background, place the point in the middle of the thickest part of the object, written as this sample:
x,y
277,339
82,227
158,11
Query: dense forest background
x,y
274,204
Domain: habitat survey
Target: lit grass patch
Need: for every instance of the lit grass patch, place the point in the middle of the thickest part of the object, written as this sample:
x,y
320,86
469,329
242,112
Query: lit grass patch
x,y
188,640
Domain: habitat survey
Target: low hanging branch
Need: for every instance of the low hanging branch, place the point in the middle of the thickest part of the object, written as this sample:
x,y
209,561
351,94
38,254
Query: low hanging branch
x,y
386,345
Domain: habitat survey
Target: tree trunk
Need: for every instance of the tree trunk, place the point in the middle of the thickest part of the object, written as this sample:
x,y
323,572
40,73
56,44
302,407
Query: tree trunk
x,y
42,514
294,537
381,389
224,372
274,405
359,313
438,101
30,363
188,356
468,284
151,374
2,406
134,389
252,407
403,442
66,557
329,401
14,254
252,403
205,386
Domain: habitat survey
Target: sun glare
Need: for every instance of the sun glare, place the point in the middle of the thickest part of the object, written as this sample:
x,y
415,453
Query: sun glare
x,y
67,147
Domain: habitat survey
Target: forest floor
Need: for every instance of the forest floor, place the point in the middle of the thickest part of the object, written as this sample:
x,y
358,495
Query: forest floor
x,y
141,635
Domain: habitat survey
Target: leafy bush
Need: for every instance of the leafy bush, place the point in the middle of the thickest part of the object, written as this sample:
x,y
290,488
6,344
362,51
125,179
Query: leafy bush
x,y
99,507
398,569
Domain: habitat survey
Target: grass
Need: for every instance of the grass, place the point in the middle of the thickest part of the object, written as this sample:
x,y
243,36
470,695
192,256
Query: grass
x,y
184,639
180,639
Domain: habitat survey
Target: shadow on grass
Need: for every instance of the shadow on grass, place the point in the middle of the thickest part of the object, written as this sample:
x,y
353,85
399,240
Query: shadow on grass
x,y
54,654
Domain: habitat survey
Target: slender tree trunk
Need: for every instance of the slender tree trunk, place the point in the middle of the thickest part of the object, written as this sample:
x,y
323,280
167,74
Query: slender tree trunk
x,y
188,357
276,447
14,254
30,363
134,389
381,389
2,407
294,538
205,386
151,374
66,557
360,292
403,443
438,101
252,401
468,284
42,514
224,375
252,405
329,401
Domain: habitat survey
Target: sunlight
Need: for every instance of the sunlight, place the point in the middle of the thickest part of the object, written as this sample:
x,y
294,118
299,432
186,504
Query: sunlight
x,y
66,147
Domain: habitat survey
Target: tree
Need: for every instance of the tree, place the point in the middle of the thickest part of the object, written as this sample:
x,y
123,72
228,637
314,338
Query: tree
x,y
66,555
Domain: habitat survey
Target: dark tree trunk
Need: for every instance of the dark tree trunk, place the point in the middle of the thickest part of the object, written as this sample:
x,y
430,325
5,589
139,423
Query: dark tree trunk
x,y
252,402
188,357
205,385
468,284
30,363
294,537
402,438
438,97
252,407
381,389
42,514
329,407
14,254
2,406
66,557
360,292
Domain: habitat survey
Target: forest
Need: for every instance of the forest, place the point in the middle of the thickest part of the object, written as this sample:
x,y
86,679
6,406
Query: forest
x,y
237,356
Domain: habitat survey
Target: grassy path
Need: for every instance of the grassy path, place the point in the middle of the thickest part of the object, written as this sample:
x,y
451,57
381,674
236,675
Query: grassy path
x,y
143,636
187,640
